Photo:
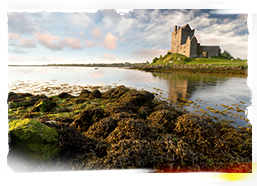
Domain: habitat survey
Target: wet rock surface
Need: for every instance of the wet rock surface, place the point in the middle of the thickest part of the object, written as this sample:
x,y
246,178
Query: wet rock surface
x,y
124,128
34,138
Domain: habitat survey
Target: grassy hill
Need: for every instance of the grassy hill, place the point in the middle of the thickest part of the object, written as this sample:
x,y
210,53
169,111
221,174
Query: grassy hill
x,y
179,59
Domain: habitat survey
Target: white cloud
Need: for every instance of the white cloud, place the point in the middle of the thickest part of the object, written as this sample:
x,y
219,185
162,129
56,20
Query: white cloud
x,y
97,33
79,19
27,43
149,53
13,36
108,56
55,42
110,41
69,42
90,44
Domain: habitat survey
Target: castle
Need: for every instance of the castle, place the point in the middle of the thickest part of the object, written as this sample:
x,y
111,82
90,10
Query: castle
x,y
184,42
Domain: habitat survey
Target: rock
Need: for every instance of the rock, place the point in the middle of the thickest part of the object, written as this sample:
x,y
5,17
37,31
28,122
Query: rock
x,y
115,92
196,127
136,98
43,105
84,93
22,99
130,128
134,154
64,95
87,117
164,118
34,138
102,128
95,94
119,91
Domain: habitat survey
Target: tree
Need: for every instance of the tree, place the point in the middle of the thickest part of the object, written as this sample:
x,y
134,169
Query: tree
x,y
155,59
226,55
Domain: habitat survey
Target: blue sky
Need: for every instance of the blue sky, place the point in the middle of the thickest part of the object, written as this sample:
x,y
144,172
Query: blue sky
x,y
112,36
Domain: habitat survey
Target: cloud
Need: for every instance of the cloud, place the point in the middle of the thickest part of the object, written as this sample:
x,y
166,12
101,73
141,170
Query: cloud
x,y
54,42
109,56
13,36
68,42
149,53
27,43
97,33
17,51
21,23
48,40
109,41
79,19
91,44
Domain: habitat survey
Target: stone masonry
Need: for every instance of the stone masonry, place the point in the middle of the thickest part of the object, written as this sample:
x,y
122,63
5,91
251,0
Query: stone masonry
x,y
184,42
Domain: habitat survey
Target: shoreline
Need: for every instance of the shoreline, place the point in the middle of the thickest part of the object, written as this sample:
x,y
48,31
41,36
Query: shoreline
x,y
203,69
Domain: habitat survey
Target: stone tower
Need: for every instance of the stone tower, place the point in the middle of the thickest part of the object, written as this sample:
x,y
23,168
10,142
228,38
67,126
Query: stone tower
x,y
184,42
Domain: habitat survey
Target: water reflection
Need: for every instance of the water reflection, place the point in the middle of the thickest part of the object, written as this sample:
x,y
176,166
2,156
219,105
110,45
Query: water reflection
x,y
209,92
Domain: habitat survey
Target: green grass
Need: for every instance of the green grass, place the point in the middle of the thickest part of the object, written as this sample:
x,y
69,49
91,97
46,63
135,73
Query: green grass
x,y
179,59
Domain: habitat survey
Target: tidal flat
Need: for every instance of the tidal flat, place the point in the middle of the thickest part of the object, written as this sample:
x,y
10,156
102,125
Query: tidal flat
x,y
122,128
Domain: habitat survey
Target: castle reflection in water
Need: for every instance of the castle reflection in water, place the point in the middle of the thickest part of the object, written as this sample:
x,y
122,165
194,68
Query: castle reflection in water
x,y
183,85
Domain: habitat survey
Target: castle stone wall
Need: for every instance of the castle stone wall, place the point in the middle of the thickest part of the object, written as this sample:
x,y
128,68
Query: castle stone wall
x,y
185,33
184,49
211,50
193,48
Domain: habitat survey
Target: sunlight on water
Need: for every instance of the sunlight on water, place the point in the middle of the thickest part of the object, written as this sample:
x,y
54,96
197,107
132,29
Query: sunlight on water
x,y
200,93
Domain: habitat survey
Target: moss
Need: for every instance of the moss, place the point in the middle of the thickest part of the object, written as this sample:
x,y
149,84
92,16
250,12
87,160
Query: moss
x,y
35,138
43,105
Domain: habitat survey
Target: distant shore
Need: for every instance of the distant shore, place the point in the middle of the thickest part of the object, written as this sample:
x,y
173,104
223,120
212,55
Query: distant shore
x,y
238,70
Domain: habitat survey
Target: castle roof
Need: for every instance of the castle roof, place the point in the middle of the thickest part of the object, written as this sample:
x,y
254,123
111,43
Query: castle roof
x,y
187,25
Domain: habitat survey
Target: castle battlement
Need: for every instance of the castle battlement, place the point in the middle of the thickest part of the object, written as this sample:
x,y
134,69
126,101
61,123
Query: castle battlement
x,y
183,41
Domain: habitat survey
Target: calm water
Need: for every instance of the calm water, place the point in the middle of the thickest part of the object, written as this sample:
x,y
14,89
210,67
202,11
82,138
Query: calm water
x,y
204,90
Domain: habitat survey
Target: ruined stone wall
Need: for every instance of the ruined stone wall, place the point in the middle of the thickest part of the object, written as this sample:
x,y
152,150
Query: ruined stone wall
x,y
175,41
211,50
193,47
186,32
184,49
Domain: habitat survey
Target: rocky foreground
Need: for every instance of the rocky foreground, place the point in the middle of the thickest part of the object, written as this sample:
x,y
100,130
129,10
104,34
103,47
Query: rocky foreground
x,y
121,128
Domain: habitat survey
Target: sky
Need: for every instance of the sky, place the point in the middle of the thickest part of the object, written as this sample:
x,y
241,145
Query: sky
x,y
113,36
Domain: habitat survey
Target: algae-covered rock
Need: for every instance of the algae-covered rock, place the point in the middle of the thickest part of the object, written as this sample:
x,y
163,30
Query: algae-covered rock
x,y
130,128
196,127
34,138
133,154
64,95
115,92
95,94
16,100
84,93
164,118
43,105
102,128
136,98
87,117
